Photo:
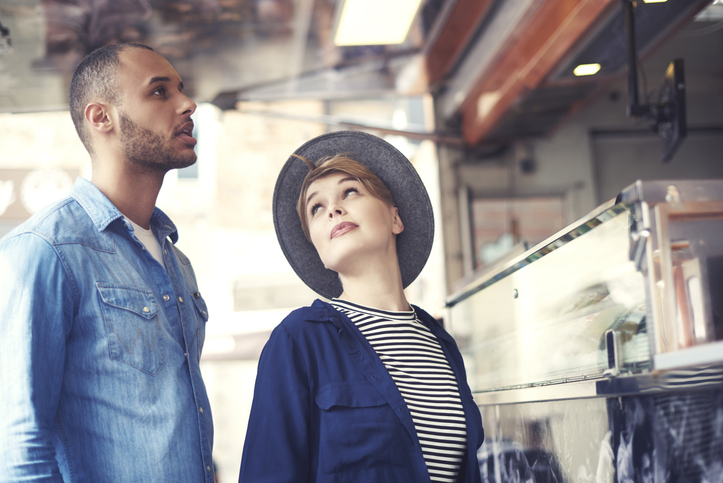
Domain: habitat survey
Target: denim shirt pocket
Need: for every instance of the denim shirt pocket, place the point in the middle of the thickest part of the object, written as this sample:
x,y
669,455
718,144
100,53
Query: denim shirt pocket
x,y
359,430
133,327
202,312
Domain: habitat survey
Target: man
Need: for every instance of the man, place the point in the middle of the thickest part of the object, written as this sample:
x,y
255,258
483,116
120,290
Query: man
x,y
102,321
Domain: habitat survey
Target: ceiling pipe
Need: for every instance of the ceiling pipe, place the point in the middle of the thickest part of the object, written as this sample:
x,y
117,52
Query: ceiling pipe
x,y
337,122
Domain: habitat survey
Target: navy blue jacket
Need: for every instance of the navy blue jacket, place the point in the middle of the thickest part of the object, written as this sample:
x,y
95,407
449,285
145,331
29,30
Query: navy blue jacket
x,y
325,408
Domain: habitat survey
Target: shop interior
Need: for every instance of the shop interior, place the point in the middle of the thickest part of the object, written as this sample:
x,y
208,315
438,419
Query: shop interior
x,y
522,117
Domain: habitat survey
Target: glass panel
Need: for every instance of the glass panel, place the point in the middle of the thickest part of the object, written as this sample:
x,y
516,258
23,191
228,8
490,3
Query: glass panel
x,y
500,223
686,273
546,322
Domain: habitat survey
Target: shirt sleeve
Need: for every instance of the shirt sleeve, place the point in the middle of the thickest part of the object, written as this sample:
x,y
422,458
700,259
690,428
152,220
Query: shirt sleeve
x,y
37,311
276,448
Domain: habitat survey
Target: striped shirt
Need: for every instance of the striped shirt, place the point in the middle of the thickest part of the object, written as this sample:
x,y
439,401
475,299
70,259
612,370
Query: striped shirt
x,y
414,359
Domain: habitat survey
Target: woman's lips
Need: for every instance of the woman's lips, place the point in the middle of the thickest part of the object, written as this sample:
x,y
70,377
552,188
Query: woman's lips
x,y
342,228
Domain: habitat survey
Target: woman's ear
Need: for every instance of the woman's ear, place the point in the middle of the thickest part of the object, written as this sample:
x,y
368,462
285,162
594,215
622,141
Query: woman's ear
x,y
397,224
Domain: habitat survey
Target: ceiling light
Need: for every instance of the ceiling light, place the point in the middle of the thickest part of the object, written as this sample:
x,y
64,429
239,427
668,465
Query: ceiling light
x,y
654,1
375,22
586,69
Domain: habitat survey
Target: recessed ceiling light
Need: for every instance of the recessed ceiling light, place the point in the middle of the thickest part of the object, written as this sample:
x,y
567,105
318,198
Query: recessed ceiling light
x,y
654,1
586,69
375,22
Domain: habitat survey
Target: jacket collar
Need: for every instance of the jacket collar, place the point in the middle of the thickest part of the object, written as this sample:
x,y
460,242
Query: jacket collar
x,y
321,311
102,212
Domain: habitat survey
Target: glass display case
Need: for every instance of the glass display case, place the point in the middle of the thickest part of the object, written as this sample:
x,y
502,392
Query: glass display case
x,y
625,290
608,316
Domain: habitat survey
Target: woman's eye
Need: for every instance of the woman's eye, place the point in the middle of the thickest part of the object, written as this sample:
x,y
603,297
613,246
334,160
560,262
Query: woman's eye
x,y
349,191
315,209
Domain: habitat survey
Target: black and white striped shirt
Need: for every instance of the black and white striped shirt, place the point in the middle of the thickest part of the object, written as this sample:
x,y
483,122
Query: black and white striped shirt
x,y
415,360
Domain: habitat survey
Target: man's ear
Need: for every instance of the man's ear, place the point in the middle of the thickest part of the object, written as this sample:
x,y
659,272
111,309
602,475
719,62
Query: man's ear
x,y
98,116
397,224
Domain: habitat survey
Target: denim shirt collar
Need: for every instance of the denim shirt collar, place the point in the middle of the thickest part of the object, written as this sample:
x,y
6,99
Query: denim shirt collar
x,y
102,212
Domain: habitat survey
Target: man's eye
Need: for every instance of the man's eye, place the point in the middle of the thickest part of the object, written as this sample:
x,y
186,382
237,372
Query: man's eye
x,y
160,91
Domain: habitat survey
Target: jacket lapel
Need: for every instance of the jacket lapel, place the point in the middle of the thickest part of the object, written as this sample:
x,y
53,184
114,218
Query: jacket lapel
x,y
371,366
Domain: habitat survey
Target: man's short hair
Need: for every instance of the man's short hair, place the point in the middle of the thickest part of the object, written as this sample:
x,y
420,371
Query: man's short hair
x,y
95,78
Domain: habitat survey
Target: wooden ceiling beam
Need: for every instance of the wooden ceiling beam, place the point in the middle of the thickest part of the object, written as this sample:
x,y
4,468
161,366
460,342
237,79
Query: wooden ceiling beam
x,y
455,35
542,40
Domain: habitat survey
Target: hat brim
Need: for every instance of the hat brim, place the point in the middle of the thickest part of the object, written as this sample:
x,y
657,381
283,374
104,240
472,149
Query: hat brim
x,y
414,244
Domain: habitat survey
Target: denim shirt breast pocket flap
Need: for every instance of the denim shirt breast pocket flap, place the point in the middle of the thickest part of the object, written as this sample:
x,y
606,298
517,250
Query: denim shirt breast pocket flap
x,y
202,312
358,428
132,325
201,306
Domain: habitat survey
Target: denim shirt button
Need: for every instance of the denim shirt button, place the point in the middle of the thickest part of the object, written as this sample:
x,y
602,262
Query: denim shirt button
x,y
208,468
166,298
146,309
201,409
180,299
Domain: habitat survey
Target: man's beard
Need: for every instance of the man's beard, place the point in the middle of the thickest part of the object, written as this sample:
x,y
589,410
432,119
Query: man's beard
x,y
146,149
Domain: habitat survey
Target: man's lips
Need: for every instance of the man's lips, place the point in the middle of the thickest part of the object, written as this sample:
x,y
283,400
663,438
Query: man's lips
x,y
185,133
342,228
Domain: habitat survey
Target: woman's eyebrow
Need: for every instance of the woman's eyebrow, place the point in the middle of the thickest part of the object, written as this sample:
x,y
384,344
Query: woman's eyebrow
x,y
343,180
308,198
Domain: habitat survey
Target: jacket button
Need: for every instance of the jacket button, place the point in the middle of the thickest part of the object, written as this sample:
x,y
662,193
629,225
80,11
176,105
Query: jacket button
x,y
146,309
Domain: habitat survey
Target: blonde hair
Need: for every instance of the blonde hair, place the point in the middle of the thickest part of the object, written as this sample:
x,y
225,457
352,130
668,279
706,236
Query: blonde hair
x,y
340,163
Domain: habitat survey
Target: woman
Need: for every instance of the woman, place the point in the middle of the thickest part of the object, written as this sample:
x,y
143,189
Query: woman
x,y
366,387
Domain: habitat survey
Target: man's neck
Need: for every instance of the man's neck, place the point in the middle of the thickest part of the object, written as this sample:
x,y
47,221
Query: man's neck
x,y
134,194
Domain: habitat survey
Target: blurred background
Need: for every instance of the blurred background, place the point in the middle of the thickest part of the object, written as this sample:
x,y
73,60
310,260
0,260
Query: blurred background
x,y
519,115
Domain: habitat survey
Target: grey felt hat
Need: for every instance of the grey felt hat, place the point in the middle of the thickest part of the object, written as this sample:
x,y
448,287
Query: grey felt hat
x,y
396,172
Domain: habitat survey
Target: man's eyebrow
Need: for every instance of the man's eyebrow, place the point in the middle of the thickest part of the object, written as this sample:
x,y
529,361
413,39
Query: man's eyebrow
x,y
156,79
160,79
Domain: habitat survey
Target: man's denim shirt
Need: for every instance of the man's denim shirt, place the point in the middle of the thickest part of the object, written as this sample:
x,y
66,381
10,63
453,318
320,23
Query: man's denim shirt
x,y
99,351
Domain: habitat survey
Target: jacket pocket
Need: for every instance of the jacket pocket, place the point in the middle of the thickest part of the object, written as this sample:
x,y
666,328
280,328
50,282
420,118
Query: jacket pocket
x,y
132,325
359,430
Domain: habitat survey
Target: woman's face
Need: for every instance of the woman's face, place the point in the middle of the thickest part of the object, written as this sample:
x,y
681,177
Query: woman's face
x,y
347,224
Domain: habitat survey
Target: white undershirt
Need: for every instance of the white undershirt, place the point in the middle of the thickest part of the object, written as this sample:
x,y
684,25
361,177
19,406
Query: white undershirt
x,y
149,241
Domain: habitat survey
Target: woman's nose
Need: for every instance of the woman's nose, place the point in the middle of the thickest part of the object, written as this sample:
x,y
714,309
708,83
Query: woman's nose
x,y
336,211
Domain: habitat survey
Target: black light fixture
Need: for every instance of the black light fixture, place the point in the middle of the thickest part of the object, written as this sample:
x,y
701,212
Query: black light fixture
x,y
5,40
667,116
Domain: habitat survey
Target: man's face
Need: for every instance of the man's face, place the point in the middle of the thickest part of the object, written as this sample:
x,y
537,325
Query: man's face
x,y
154,113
